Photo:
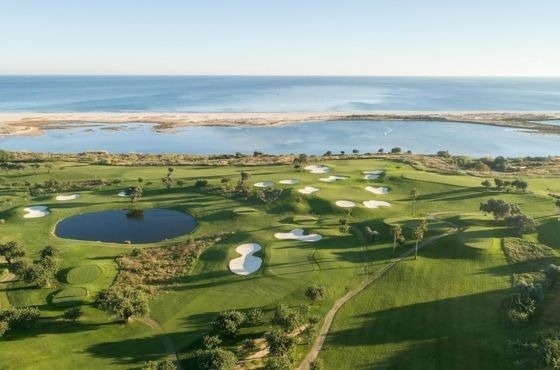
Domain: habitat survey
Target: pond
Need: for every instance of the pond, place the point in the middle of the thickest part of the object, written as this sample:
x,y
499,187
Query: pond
x,y
120,226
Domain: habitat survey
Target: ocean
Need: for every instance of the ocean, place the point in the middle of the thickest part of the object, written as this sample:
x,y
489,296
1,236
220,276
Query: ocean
x,y
274,94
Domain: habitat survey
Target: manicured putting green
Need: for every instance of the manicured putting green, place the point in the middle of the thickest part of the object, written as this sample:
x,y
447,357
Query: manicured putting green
x,y
83,274
69,296
244,210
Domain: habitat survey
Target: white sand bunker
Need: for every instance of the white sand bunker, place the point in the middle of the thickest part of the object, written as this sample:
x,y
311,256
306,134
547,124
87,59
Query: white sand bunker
x,y
36,211
123,194
297,234
289,182
247,263
67,197
345,203
308,190
379,191
332,178
264,184
376,204
317,168
372,175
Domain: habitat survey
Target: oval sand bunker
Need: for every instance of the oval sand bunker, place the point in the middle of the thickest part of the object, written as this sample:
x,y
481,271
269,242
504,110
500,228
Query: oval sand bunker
x,y
379,190
314,168
264,184
345,204
36,211
247,263
376,204
67,197
288,182
308,190
297,234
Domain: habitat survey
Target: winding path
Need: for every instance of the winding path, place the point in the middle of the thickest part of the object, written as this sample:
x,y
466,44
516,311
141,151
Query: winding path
x,y
329,318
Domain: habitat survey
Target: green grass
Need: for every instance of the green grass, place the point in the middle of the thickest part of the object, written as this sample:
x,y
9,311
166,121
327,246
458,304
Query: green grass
x,y
418,310
83,274
69,296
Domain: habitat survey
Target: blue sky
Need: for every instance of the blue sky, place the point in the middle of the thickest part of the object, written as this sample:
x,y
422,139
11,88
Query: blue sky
x,y
282,37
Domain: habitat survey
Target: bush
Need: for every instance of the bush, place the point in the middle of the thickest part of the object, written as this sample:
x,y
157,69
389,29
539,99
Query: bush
x,y
255,316
229,322
73,314
279,363
316,292
200,183
287,318
279,343
552,274
215,359
523,301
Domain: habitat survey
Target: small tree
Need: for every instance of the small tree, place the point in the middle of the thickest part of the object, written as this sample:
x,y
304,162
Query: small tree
x,y
125,302
11,250
159,365
413,196
486,184
286,317
552,274
255,316
211,341
215,359
229,322
279,363
279,342
134,192
396,231
316,293
419,235
73,314
521,223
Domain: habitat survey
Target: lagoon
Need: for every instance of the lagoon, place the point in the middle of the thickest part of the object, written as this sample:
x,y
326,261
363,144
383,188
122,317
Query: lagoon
x,y
426,137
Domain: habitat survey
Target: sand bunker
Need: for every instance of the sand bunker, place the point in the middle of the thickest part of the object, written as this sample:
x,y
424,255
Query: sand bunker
x,y
372,175
263,184
67,197
332,178
317,168
123,194
289,182
247,263
308,190
345,203
36,212
379,191
376,203
297,234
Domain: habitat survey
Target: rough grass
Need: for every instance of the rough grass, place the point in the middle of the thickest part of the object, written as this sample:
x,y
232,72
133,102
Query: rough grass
x,y
83,274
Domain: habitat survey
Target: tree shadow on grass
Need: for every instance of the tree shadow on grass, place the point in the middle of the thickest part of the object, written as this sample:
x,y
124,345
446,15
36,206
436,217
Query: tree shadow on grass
x,y
53,326
459,333
131,351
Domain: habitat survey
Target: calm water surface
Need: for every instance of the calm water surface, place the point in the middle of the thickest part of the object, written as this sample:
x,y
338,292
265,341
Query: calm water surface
x,y
312,138
116,227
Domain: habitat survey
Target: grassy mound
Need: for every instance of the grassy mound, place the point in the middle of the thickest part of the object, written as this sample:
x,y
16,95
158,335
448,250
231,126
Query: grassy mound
x,y
83,274
69,296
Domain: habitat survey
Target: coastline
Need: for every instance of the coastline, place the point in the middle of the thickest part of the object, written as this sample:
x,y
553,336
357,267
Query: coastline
x,y
32,123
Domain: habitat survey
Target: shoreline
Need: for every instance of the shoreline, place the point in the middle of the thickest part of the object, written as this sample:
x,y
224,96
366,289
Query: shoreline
x,y
33,123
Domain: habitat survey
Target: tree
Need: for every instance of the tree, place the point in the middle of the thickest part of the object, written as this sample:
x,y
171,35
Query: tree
x,y
498,208
4,327
215,359
242,189
520,185
316,292
229,322
286,317
316,364
396,231
49,252
19,318
552,274
11,250
521,223
486,184
499,183
279,363
125,302
373,235
279,342
134,192
396,150
73,314
211,341
20,267
159,365
419,235
255,316
413,196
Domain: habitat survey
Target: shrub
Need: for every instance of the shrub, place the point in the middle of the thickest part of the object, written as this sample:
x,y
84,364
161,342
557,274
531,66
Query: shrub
x,y
287,318
552,274
255,316
200,183
229,322
279,342
279,363
316,292
73,314
215,359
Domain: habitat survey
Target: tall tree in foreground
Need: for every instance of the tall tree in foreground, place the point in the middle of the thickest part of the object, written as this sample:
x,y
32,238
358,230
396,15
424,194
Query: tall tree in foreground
x,y
396,231
135,193
413,196
419,235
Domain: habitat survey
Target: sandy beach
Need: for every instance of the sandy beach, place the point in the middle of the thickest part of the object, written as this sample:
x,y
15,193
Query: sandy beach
x,y
33,123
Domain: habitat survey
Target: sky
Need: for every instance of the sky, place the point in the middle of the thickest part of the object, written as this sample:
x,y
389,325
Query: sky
x,y
281,37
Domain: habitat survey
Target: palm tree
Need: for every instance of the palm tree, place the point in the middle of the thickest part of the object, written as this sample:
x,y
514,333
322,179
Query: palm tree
x,y
413,195
419,235
396,231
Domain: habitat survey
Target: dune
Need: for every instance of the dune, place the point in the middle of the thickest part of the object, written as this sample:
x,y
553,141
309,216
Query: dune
x,y
289,182
67,197
247,263
345,203
377,190
376,203
36,211
308,190
332,178
297,234
264,184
